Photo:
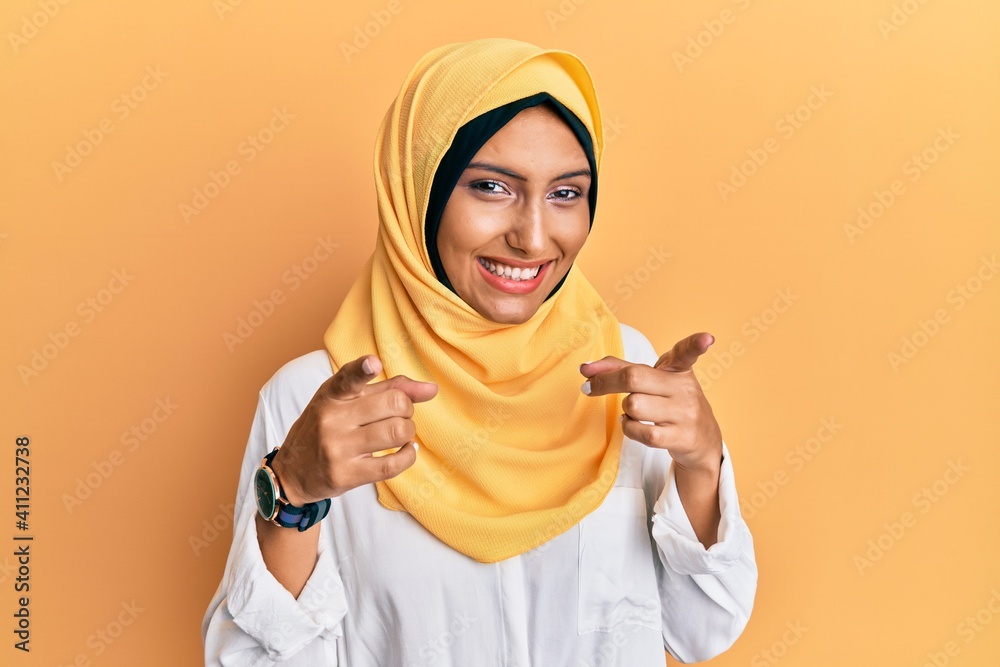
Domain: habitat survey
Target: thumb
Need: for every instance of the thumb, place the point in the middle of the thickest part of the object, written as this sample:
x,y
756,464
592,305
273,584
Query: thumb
x,y
684,353
350,379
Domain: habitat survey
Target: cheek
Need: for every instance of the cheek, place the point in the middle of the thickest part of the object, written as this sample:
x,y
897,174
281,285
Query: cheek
x,y
574,235
459,234
466,227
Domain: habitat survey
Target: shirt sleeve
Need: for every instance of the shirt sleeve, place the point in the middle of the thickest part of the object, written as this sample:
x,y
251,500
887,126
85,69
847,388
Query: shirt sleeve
x,y
706,594
253,620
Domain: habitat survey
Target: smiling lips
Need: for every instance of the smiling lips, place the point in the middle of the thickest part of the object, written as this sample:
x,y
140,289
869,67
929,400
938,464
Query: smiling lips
x,y
510,272
512,279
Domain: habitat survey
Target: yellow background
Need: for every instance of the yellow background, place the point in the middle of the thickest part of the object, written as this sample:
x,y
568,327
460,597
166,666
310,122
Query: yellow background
x,y
895,77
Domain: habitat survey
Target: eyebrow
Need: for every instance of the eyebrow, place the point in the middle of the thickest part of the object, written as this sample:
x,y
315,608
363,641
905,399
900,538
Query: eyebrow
x,y
513,174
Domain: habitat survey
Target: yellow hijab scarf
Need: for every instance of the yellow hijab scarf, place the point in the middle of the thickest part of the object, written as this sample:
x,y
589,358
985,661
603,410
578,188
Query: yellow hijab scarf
x,y
512,453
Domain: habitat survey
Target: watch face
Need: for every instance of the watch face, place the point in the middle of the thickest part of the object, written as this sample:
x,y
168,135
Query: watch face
x,y
266,497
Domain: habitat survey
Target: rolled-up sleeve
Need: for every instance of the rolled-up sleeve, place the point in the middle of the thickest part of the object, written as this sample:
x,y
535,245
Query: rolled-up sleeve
x,y
706,594
253,619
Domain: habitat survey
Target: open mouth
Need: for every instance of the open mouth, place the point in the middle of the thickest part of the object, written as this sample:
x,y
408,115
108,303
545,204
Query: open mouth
x,y
508,272
512,279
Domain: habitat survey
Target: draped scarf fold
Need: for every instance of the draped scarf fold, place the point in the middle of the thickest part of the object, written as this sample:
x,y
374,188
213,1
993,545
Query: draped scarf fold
x,y
512,453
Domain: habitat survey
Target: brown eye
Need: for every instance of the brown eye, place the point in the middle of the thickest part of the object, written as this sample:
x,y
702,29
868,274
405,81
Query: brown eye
x,y
497,188
575,194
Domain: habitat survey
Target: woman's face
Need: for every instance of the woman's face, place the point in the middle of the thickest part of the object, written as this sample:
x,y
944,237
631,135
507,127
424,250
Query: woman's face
x,y
521,202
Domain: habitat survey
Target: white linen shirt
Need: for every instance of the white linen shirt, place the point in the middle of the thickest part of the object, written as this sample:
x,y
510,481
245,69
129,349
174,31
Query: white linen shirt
x,y
626,582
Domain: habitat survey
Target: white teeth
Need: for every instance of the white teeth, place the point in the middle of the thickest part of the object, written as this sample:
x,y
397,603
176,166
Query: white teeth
x,y
508,272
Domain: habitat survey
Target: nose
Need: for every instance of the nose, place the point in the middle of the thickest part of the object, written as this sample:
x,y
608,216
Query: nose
x,y
528,230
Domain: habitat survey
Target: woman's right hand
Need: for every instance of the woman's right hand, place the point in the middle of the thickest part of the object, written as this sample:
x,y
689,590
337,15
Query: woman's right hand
x,y
329,448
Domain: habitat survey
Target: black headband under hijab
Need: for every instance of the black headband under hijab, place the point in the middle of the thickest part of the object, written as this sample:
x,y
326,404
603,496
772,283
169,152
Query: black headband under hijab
x,y
469,139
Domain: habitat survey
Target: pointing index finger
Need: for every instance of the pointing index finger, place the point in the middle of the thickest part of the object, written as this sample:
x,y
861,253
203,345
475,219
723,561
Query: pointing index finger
x,y
685,352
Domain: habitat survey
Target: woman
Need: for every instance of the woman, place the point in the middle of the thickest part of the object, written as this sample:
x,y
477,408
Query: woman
x,y
464,500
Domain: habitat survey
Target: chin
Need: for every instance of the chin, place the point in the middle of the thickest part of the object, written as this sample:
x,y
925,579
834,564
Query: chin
x,y
515,320
518,316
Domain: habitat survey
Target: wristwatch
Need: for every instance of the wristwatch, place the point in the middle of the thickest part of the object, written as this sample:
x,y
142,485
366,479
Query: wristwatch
x,y
273,505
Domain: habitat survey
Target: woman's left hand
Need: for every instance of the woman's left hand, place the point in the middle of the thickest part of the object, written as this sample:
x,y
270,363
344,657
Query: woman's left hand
x,y
669,397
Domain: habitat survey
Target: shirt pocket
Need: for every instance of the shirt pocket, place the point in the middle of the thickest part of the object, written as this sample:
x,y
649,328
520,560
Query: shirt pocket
x,y
617,582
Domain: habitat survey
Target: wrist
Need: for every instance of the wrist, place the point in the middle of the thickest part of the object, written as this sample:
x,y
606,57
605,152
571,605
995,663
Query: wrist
x,y
707,465
274,504
705,471
289,484
701,478
710,467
